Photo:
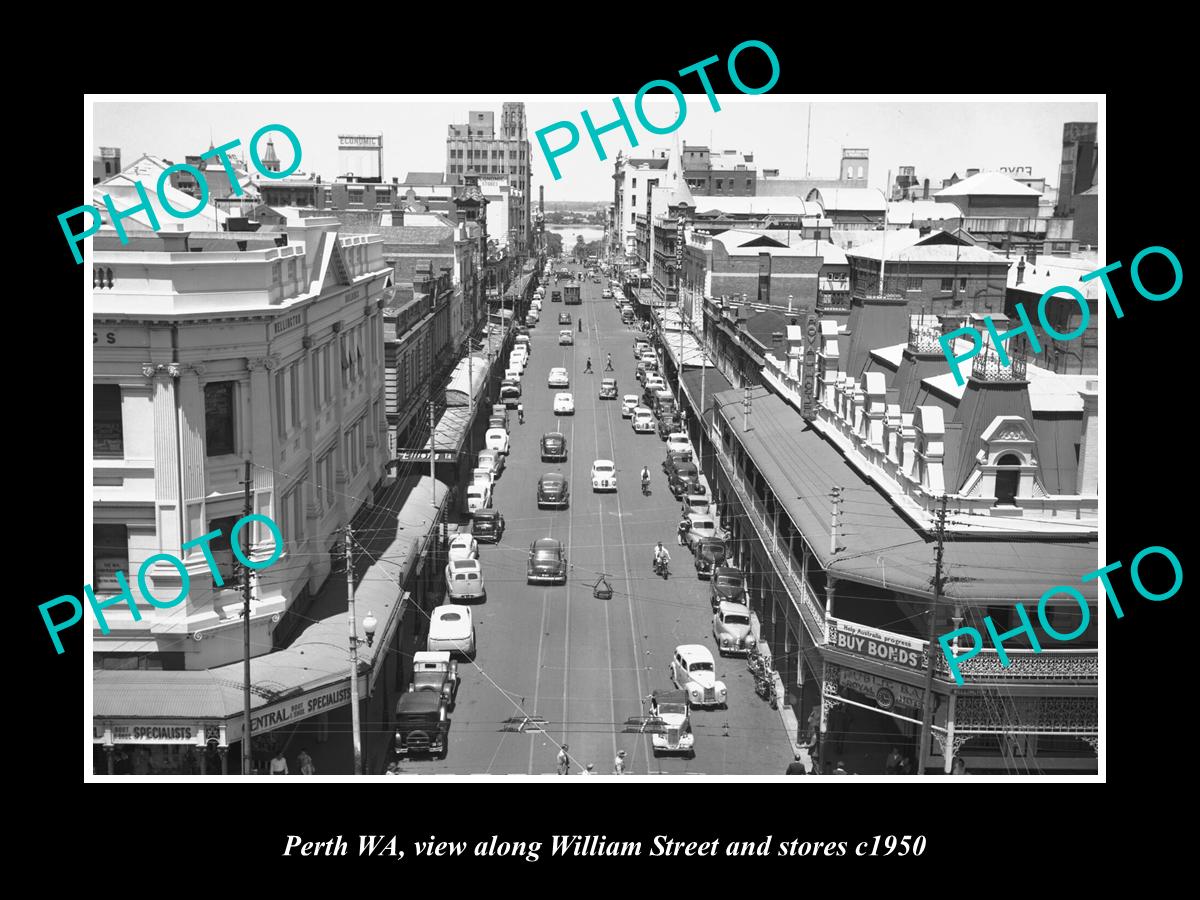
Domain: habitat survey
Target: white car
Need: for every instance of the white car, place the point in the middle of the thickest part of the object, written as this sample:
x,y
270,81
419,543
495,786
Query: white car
x,y
451,630
566,337
496,439
483,475
700,526
479,496
513,375
517,361
643,421
677,441
464,580
463,547
564,404
628,404
654,382
604,475
692,670
558,378
492,460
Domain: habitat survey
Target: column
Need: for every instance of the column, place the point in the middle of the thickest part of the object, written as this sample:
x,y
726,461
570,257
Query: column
x,y
192,462
164,579
258,439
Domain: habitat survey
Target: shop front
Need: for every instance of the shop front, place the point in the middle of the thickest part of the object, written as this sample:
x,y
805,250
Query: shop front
x,y
867,714
138,746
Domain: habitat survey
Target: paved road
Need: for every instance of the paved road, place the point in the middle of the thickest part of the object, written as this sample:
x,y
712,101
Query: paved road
x,y
582,664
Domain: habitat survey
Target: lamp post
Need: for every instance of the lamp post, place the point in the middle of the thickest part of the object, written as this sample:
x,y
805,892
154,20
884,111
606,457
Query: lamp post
x,y
369,626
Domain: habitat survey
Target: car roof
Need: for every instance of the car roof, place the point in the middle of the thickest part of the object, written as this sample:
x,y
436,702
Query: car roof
x,y
486,514
554,476
546,544
730,571
562,394
419,702
464,611
492,431
431,656
465,563
702,517
611,381
694,652
603,462
630,397
728,607
557,369
461,538
552,435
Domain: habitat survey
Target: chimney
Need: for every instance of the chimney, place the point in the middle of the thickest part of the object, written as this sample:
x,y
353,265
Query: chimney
x,y
395,180
1021,270
925,192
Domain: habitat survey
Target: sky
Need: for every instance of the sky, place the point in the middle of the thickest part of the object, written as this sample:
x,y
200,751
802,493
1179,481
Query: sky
x,y
939,138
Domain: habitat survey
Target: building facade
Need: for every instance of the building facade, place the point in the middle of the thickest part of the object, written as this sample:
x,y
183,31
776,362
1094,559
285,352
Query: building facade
x,y
478,149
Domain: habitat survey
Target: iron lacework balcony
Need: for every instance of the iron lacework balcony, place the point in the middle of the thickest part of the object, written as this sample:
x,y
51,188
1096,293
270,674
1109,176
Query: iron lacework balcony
x,y
987,367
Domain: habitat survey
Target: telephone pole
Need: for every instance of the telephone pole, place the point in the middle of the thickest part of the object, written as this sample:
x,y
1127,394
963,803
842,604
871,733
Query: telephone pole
x,y
746,408
247,759
927,704
354,723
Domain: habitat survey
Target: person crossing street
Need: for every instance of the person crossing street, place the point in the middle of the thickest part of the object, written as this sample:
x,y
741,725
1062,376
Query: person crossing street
x,y
564,760
608,366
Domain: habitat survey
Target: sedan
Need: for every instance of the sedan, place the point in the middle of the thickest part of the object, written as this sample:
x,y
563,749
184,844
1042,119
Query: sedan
x,y
564,318
554,447
547,562
463,547
693,670
496,439
604,475
643,421
464,580
681,478
608,294
566,337
492,460
564,404
488,526
451,630
700,527
552,490
608,389
628,404
710,553
726,586
558,378
500,422
678,440
731,629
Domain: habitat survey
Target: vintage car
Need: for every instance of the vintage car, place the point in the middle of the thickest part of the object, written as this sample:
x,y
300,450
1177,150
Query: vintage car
x,y
676,458
422,726
522,340
668,424
731,629
681,477
606,294
727,585
483,475
628,404
643,421
710,553
500,422
696,503
510,393
558,378
547,562
435,672
663,403
487,526
564,318
513,375
496,439
564,404
693,671
492,460
499,409
462,546
478,496
671,730
604,475
532,317
678,441
566,337
464,580
451,629
701,526
556,296
552,490
608,389
554,446
640,346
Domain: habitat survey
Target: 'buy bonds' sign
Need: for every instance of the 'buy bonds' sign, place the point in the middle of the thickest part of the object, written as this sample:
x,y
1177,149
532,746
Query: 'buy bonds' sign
x,y
884,646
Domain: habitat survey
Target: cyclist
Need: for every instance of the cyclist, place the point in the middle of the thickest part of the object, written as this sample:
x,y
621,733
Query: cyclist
x,y
645,479
521,413
661,556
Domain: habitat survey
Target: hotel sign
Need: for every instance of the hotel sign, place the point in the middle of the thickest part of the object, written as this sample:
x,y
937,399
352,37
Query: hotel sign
x,y
883,692
881,646
812,340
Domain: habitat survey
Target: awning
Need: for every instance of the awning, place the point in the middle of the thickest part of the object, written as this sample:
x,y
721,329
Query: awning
x,y
713,383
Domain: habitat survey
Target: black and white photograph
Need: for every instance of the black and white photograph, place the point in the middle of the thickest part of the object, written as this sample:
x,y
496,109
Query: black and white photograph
x,y
530,437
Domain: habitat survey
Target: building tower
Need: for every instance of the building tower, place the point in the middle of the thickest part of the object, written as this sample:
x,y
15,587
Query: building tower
x,y
856,166
270,161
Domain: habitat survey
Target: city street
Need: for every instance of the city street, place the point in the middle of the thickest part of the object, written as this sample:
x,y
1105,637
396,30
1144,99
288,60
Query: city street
x,y
579,665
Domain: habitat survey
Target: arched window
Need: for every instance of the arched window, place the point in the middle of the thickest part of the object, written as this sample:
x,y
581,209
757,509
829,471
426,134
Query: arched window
x,y
1008,479
109,272
97,276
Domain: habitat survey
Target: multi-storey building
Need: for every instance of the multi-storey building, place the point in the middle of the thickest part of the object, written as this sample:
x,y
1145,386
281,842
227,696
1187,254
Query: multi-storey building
x,y
633,177
207,355
719,172
998,210
476,148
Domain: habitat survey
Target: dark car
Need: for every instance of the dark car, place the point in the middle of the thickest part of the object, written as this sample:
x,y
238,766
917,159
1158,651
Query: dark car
x,y
521,329
710,553
681,477
664,408
554,447
552,490
669,424
675,458
564,318
487,526
547,562
510,393
556,296
726,585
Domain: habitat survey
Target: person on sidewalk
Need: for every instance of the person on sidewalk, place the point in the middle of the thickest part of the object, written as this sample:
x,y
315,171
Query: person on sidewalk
x,y
892,765
304,763
619,763
521,413
841,769
564,760
796,767
279,765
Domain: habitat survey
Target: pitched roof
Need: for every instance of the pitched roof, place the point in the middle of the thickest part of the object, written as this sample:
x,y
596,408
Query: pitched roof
x,y
907,245
425,178
991,184
870,199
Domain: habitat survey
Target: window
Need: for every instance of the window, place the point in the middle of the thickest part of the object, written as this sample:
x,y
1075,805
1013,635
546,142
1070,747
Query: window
x,y
356,196
1008,479
110,555
720,182
275,272
860,171
633,218
962,284
108,440
947,284
326,365
383,195
218,418
222,552
749,184
913,284
281,403
294,389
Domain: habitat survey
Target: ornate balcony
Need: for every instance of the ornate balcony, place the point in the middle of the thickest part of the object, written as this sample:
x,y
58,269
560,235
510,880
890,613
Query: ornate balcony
x,y
986,366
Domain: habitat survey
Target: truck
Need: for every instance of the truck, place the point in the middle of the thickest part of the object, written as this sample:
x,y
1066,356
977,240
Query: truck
x,y
571,295
435,671
422,726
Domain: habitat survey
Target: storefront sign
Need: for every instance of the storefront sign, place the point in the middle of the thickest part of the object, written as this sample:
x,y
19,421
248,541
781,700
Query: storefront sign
x,y
423,456
812,338
883,692
346,141
291,321
880,645
152,731
290,711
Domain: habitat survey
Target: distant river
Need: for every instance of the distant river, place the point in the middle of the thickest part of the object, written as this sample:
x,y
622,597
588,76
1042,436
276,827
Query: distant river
x,y
570,232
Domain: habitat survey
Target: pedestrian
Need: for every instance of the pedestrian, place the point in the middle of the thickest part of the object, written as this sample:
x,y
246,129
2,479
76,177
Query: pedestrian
x,y
892,765
608,366
796,767
587,370
619,763
841,769
590,770
564,760
304,763
906,766
959,766
521,413
581,324
279,765
654,706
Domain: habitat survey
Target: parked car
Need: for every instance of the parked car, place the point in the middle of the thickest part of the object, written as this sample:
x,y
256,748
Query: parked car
x,y
478,496
496,439
499,409
676,458
628,404
643,421
681,477
564,404
522,340
483,475
608,389
726,585
422,726
500,422
552,490
487,526
671,730
678,441
663,403
463,546
604,475
693,671
493,460
436,671
558,378
554,447
564,318
451,629
640,346
510,393
701,526
464,580
547,562
607,294
532,317
566,337
731,628
710,553
699,504
669,424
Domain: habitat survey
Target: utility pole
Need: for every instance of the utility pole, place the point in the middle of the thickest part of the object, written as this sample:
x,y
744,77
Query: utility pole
x,y
949,754
354,723
247,759
746,408
927,704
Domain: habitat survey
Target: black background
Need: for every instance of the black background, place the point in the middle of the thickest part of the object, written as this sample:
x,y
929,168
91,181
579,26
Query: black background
x,y
1006,830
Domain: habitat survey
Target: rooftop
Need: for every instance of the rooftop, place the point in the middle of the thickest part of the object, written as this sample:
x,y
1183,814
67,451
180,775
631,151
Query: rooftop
x,y
991,184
